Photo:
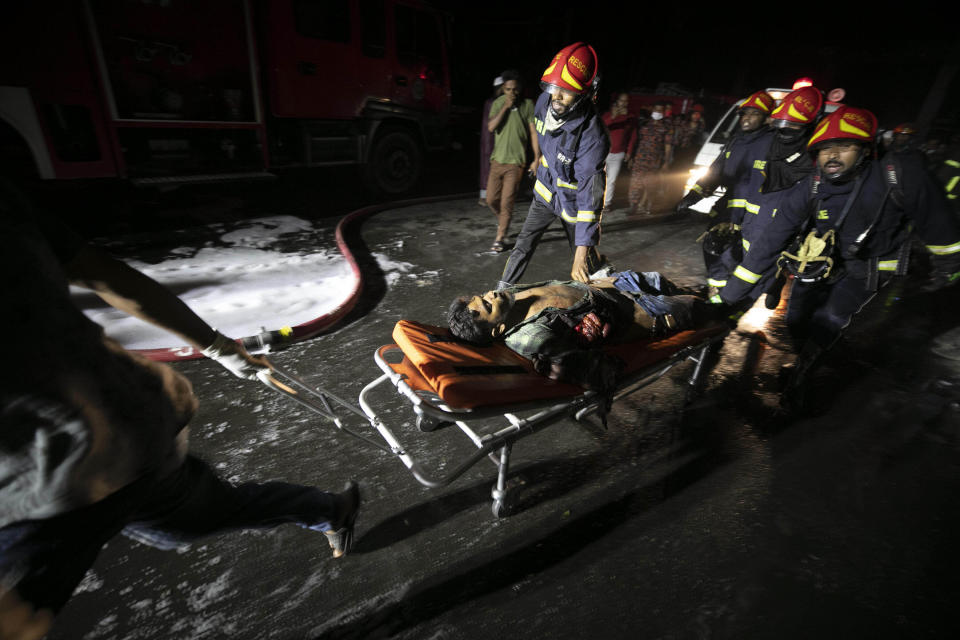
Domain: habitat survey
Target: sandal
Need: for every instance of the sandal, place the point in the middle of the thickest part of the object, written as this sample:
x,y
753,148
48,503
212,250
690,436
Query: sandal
x,y
497,247
341,539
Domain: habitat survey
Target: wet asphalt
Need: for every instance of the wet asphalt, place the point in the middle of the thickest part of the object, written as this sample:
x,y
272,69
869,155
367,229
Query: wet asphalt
x,y
717,516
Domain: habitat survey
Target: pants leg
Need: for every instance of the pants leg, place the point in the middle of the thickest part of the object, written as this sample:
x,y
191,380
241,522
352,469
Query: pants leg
x,y
43,561
641,184
495,187
539,217
512,174
717,271
637,185
613,164
805,298
844,300
193,502
820,312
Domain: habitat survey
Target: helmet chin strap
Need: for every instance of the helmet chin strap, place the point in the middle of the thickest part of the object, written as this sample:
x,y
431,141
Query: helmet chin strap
x,y
571,110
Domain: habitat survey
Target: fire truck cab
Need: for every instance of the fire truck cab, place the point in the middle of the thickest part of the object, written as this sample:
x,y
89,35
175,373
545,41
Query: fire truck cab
x,y
171,91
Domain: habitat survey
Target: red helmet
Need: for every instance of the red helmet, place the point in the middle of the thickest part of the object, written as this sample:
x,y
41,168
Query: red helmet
x,y
761,101
573,69
801,106
905,128
846,123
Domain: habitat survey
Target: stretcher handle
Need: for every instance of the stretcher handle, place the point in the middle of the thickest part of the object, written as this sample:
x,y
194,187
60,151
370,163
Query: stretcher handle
x,y
314,399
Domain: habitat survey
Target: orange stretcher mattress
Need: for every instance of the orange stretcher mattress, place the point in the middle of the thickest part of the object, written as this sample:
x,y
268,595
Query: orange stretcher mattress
x,y
467,376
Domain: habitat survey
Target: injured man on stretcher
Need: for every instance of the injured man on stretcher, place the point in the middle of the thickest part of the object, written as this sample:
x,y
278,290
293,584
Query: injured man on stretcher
x,y
561,325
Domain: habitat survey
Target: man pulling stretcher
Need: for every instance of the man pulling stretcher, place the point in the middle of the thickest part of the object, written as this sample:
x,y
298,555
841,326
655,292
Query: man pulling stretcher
x,y
560,325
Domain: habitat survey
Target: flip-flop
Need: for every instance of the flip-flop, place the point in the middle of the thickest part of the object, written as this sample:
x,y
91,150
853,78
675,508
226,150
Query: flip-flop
x,y
497,247
341,540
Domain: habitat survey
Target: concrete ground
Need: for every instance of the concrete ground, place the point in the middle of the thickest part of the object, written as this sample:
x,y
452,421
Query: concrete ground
x,y
719,518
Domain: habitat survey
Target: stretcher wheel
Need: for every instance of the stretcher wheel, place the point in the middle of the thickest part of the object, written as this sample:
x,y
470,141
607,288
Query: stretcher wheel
x,y
499,508
428,424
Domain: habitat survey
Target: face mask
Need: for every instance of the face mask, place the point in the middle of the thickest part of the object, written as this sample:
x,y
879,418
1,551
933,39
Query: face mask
x,y
790,135
656,115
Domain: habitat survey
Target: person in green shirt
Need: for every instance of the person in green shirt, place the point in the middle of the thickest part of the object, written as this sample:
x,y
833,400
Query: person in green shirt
x,y
511,122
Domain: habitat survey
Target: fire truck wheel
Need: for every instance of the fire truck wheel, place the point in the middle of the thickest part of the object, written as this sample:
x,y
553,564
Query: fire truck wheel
x,y
395,162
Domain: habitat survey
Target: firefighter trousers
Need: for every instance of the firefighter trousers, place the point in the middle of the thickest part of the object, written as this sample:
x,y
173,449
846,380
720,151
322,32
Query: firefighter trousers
x,y
819,312
539,218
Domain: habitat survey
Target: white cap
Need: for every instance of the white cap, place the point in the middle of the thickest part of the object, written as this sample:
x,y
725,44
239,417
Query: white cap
x,y
498,81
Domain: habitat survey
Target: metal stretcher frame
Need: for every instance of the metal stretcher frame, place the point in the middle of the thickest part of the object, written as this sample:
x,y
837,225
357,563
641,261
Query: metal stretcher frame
x,y
431,410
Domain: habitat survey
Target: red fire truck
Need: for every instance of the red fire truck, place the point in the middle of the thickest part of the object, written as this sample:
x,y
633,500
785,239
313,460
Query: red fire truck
x,y
176,91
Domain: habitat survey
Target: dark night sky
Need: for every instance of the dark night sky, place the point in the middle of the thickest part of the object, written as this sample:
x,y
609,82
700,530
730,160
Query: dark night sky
x,y
716,52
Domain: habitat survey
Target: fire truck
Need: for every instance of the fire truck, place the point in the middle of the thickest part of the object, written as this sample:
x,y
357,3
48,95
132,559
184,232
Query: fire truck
x,y
168,92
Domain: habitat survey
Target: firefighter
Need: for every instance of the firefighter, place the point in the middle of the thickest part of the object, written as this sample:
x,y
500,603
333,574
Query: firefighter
x,y
734,170
786,163
948,171
854,214
570,177
904,138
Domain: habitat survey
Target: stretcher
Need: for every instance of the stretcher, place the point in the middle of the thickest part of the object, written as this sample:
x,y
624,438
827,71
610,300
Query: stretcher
x,y
448,382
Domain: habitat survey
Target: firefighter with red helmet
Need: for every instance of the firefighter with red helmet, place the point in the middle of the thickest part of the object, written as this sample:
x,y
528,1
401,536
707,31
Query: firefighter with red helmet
x,y
786,163
735,169
851,222
570,177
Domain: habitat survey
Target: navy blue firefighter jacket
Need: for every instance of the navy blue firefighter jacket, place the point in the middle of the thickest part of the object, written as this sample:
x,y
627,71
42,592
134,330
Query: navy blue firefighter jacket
x,y
910,202
739,170
571,176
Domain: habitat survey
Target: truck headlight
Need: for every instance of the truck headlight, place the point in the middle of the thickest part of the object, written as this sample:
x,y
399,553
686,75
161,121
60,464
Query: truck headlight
x,y
695,174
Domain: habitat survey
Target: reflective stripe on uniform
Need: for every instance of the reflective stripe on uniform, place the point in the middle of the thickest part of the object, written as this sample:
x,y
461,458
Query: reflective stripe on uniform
x,y
952,163
745,243
740,203
543,161
944,249
566,185
746,275
567,217
716,299
716,283
586,216
952,183
696,188
888,265
542,189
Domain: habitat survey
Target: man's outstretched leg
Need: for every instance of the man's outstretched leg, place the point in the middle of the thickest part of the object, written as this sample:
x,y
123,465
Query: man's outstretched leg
x,y
193,502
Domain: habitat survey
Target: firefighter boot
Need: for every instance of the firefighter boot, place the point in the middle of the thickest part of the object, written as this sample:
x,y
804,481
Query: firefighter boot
x,y
795,393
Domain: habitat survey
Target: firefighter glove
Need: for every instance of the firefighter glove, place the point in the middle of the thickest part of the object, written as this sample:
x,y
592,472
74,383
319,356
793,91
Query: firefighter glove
x,y
688,201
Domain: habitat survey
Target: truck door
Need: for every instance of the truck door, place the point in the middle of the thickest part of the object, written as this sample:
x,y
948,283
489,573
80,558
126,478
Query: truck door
x,y
421,78
312,59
